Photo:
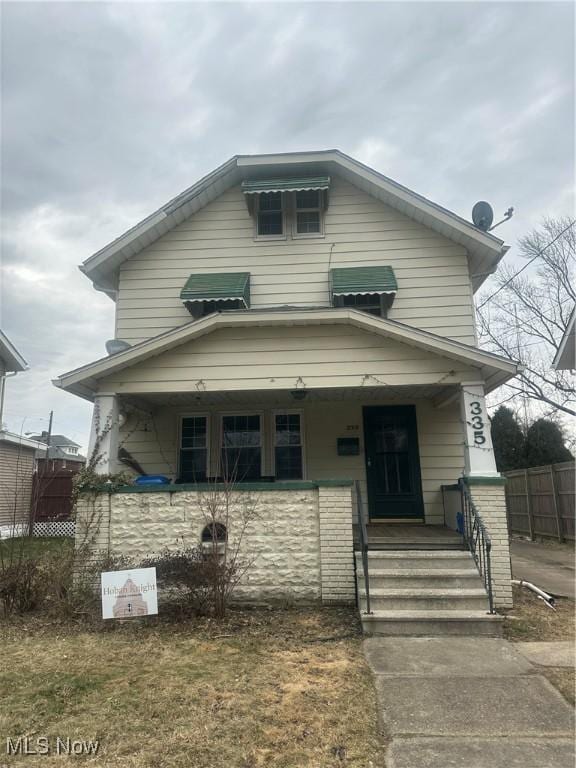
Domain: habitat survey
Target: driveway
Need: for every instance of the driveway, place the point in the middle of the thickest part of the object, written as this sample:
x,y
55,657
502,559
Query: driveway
x,y
548,566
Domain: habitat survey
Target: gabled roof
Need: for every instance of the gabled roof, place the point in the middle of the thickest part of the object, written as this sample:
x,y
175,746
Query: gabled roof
x,y
55,440
57,453
493,369
564,359
11,358
484,249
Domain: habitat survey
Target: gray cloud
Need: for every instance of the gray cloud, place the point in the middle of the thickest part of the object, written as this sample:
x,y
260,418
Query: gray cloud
x,y
110,109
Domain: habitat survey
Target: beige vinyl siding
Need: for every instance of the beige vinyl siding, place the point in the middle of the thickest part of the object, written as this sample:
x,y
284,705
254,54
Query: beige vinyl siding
x,y
153,441
264,358
434,291
16,469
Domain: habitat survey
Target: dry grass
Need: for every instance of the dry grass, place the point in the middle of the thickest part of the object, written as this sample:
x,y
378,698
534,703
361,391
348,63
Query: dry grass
x,y
531,620
267,688
563,679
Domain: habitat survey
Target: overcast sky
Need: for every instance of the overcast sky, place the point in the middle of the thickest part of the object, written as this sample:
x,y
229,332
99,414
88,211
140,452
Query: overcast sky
x,y
108,110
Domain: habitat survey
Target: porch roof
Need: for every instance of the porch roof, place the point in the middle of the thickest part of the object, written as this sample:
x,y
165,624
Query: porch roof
x,y
493,370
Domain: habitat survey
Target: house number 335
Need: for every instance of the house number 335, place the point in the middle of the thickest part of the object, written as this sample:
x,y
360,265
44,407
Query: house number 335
x,y
477,422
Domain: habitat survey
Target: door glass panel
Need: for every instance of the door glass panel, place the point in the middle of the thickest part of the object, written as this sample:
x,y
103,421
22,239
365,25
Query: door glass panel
x,y
392,459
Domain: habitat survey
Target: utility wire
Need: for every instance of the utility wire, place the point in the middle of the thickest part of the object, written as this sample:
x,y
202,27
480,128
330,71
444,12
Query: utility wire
x,y
558,236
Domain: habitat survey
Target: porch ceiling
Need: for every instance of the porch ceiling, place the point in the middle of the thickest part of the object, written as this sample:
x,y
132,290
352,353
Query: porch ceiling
x,y
271,398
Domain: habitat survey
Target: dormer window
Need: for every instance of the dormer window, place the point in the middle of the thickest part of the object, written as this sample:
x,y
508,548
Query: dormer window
x,y
368,289
270,216
291,206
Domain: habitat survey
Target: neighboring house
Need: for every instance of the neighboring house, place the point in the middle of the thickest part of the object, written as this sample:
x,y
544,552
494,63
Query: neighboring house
x,y
17,458
306,325
62,453
11,363
16,453
565,357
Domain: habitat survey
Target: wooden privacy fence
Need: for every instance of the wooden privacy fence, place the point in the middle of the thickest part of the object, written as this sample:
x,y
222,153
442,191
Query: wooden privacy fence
x,y
52,493
540,501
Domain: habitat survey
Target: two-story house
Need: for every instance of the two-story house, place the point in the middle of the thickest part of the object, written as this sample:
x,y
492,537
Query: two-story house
x,y
305,326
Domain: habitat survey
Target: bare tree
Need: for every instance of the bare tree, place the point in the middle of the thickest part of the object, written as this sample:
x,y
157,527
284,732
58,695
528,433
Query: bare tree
x,y
526,317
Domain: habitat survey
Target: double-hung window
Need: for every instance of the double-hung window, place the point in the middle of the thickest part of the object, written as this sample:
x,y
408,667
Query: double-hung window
x,y
241,449
193,449
270,217
366,302
308,212
288,446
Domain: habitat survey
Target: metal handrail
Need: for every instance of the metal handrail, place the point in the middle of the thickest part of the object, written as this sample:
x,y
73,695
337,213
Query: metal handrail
x,y
477,540
363,544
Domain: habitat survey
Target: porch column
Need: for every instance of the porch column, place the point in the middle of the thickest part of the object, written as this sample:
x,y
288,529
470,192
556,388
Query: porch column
x,y
478,449
486,487
103,443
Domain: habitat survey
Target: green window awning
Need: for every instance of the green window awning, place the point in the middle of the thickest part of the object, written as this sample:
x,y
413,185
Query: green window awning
x,y
255,186
355,281
217,286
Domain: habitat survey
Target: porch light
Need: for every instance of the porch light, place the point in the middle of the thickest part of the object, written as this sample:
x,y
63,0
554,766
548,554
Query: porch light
x,y
299,394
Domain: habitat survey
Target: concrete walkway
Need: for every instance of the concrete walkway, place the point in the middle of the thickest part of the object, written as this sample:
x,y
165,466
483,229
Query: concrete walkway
x,y
550,567
468,703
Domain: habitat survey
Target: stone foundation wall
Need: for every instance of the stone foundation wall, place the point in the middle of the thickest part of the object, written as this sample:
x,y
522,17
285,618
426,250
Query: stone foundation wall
x,y
298,543
490,502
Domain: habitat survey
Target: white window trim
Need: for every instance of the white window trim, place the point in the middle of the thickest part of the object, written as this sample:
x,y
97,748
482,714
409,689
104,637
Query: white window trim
x,y
194,415
294,215
284,235
288,412
260,414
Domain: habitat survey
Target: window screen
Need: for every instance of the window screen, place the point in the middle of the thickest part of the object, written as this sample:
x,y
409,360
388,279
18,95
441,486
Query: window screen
x,y
241,447
270,217
308,212
288,446
193,449
365,302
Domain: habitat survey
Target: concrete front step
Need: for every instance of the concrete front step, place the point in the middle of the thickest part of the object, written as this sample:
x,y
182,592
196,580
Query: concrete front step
x,y
412,559
412,623
425,599
423,545
423,578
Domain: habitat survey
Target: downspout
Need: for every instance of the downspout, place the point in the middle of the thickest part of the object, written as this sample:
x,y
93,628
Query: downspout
x,y
548,599
2,391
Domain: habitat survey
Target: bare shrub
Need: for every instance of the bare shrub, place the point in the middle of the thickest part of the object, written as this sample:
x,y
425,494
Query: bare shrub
x,y
228,513
186,577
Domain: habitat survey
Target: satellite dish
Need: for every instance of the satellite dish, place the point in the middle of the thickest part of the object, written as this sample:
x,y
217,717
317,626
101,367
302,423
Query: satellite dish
x,y
113,346
482,215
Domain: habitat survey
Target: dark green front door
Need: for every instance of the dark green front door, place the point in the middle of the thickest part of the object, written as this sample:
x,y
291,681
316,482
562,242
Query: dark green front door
x,y
392,463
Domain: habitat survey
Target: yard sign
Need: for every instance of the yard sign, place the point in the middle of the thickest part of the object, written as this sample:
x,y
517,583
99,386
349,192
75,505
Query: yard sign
x,y
129,593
